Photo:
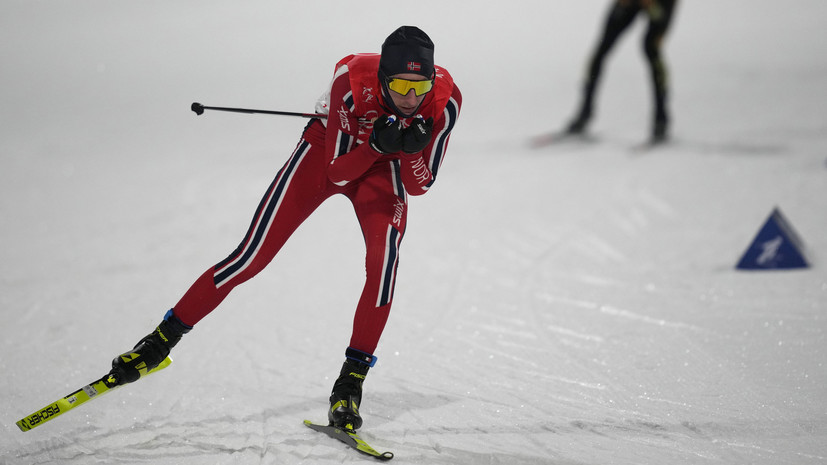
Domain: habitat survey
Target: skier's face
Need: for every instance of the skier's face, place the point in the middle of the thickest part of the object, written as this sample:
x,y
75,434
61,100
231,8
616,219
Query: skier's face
x,y
409,102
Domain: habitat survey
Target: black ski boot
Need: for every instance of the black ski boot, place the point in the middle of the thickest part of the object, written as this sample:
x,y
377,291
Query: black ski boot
x,y
578,124
150,351
347,390
660,129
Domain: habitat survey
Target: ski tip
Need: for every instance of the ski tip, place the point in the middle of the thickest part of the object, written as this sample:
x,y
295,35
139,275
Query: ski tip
x,y
548,138
542,140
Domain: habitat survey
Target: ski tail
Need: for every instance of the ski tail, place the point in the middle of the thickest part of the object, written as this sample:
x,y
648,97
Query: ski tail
x,y
77,398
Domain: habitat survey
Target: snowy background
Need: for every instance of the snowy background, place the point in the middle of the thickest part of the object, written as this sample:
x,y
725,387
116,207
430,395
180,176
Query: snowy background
x,y
575,304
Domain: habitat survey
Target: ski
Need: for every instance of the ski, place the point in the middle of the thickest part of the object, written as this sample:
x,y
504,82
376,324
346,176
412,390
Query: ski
x,y
559,137
78,398
349,437
648,146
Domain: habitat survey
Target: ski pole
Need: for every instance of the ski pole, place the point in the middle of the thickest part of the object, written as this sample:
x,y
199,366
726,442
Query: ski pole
x,y
199,109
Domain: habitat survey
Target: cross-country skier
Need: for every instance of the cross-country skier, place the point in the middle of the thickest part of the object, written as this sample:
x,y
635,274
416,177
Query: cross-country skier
x,y
621,14
390,118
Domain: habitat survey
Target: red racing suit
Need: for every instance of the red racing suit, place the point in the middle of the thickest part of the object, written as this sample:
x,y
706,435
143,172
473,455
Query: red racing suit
x,y
332,157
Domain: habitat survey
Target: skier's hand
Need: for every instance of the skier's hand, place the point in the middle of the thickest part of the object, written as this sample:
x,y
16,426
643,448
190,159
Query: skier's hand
x,y
417,136
387,134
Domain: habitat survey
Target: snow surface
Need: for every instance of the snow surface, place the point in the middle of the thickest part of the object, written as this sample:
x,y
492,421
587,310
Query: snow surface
x,y
575,304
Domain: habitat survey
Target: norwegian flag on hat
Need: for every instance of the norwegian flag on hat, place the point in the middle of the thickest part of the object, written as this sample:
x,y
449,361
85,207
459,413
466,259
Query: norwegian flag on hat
x,y
407,50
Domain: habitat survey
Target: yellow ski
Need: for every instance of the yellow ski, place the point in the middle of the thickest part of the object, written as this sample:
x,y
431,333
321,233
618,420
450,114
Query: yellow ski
x,y
77,398
351,438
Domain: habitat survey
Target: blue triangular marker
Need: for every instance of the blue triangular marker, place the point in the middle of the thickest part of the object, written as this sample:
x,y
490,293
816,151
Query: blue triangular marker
x,y
775,247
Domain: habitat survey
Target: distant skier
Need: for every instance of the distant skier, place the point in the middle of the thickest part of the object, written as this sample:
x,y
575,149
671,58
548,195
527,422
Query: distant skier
x,y
390,118
621,14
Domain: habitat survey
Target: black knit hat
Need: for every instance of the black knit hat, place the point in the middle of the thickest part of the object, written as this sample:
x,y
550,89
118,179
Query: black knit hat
x,y
407,50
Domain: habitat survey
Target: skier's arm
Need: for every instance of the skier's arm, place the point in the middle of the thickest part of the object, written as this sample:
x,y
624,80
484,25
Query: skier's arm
x,y
347,160
419,170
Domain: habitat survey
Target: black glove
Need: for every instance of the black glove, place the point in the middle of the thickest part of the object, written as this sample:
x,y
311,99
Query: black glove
x,y
418,135
387,134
